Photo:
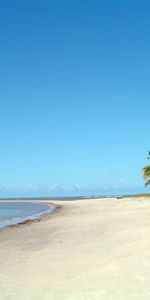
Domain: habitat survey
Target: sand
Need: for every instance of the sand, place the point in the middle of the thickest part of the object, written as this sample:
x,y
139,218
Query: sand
x,y
91,249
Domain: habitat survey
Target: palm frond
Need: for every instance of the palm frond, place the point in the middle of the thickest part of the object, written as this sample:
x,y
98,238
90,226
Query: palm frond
x,y
147,182
146,172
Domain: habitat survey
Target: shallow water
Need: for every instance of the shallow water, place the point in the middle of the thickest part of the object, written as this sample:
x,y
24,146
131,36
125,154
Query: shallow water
x,y
18,212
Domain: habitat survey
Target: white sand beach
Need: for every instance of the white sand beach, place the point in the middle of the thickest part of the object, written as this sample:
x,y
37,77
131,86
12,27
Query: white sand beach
x,y
86,250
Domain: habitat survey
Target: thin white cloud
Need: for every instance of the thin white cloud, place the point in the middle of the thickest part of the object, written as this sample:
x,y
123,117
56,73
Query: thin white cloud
x,y
57,189
80,186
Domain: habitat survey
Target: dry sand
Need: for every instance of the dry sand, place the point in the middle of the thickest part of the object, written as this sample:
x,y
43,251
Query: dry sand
x,y
87,250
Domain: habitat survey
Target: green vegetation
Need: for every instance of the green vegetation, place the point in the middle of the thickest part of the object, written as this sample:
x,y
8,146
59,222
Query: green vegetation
x,y
146,172
136,195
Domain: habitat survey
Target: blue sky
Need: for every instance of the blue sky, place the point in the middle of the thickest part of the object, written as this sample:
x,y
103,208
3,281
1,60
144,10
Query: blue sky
x,y
75,96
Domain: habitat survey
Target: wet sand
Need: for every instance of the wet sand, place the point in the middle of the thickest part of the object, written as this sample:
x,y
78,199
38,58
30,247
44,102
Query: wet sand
x,y
85,250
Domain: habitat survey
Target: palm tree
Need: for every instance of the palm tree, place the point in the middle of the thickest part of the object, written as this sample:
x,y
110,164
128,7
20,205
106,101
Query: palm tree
x,y
146,172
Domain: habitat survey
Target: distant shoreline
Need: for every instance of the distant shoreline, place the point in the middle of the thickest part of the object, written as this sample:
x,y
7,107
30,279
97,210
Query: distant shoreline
x,y
68,198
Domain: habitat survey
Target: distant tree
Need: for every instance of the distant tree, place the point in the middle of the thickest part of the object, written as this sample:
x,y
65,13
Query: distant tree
x,y
146,172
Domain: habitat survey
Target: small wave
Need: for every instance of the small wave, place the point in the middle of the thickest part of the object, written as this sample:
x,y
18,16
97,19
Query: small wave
x,y
30,217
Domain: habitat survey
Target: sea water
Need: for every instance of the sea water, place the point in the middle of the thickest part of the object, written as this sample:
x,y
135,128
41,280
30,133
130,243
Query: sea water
x,y
12,213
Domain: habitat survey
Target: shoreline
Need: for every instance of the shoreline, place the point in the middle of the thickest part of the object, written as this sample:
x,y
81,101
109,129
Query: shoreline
x,y
28,219
58,204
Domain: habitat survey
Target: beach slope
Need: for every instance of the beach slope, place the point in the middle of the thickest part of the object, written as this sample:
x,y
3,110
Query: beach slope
x,y
89,249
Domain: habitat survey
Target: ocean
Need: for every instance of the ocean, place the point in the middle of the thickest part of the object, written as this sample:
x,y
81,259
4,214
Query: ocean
x,y
13,213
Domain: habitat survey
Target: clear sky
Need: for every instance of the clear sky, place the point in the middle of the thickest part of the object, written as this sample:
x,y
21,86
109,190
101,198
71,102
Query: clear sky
x,y
74,96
